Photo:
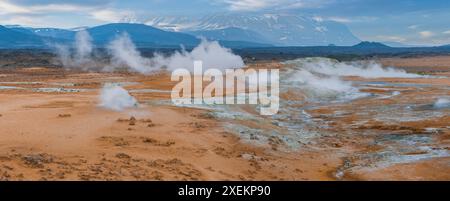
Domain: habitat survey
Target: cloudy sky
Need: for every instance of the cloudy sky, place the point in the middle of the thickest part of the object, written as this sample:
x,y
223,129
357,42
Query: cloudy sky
x,y
417,22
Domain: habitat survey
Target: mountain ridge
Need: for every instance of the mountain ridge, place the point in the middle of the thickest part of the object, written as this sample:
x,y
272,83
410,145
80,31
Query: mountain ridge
x,y
10,37
278,29
16,36
142,35
372,45
231,34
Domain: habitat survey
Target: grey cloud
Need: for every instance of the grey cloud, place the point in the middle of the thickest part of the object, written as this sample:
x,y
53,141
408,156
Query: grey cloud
x,y
73,2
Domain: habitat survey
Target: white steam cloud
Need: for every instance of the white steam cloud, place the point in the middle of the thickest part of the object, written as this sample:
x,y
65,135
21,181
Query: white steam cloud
x,y
116,98
210,53
125,54
84,47
82,55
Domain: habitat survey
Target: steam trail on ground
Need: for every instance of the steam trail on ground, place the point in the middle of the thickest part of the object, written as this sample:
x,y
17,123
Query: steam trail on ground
x,y
320,78
369,69
442,103
319,87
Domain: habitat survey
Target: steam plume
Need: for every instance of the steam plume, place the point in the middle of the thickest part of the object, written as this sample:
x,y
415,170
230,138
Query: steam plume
x,y
82,55
125,54
116,98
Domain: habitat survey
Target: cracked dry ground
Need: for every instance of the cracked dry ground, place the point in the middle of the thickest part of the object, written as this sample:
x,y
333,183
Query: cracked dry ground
x,y
54,135
65,135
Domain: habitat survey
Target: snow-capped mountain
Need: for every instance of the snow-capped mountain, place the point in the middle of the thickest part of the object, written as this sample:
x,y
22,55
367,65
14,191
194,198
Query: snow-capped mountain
x,y
177,24
278,29
231,34
142,35
232,30
44,32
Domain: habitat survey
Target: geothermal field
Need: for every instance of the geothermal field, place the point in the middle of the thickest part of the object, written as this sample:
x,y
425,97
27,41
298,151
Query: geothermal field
x,y
113,119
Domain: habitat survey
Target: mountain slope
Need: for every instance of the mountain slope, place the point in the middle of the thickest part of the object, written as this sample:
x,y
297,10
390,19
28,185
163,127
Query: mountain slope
x,y
45,32
285,29
242,44
55,33
234,30
231,34
15,39
141,34
371,45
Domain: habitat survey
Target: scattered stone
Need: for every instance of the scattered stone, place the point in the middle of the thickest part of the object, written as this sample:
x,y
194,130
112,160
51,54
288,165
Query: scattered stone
x,y
168,143
157,175
209,168
60,175
198,125
146,121
222,152
149,140
275,142
116,141
122,120
206,115
37,161
123,156
337,145
5,158
158,143
64,115
132,121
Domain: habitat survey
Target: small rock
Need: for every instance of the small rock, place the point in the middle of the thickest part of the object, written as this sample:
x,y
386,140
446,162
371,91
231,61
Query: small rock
x,y
64,115
337,145
122,120
146,121
37,161
132,121
123,156
149,140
